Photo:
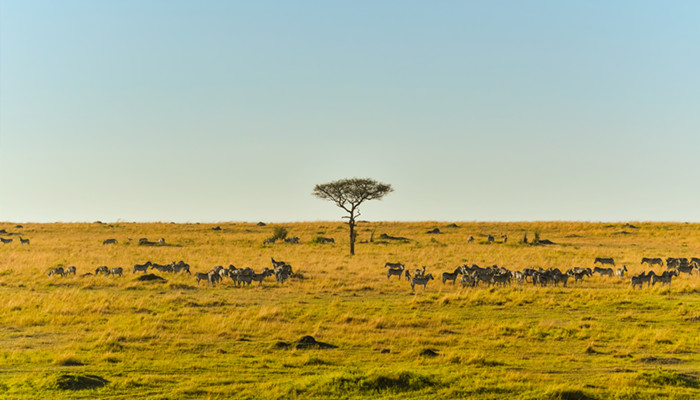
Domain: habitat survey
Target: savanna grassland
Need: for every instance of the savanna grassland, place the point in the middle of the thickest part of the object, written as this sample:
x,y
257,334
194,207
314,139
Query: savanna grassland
x,y
111,337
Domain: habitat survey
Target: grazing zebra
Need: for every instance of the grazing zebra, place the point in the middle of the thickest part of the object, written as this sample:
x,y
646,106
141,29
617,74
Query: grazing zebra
x,y
468,280
5,241
604,261
213,277
116,271
261,276
161,241
470,239
70,270
394,265
603,271
451,276
621,271
162,268
500,279
103,269
686,269
653,261
664,278
394,271
638,280
57,271
181,266
201,276
110,241
23,241
420,280
142,267
490,239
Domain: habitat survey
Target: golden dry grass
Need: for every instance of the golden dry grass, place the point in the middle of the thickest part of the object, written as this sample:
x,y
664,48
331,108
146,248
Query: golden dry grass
x,y
598,339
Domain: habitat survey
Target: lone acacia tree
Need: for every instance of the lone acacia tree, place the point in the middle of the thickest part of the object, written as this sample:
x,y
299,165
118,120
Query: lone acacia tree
x,y
348,194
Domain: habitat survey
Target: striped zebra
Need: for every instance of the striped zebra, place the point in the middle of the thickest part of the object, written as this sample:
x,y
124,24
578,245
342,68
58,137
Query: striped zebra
x,y
110,241
653,261
261,276
70,270
604,261
5,241
451,276
102,270
394,272
23,241
141,267
621,271
57,271
422,280
116,271
603,271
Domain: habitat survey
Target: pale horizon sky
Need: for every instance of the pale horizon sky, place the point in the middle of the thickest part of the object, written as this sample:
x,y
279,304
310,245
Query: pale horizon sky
x,y
212,111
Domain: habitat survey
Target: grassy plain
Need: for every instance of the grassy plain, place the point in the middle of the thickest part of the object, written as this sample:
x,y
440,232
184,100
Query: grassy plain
x,y
102,337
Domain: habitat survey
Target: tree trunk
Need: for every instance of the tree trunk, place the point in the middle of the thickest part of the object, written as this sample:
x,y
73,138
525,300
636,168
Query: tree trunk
x,y
352,236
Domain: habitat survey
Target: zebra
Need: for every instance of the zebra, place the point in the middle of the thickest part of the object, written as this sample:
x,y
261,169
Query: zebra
x,y
110,241
653,261
71,270
103,269
181,266
638,280
407,274
490,239
621,271
420,280
393,265
23,241
470,239
451,276
269,240
686,269
161,241
57,271
5,241
418,273
277,264
603,271
116,271
261,276
201,276
213,277
468,280
142,267
162,268
394,271
664,278
604,261
502,279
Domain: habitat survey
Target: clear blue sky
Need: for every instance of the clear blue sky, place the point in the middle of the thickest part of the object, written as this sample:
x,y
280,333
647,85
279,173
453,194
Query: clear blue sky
x,y
213,111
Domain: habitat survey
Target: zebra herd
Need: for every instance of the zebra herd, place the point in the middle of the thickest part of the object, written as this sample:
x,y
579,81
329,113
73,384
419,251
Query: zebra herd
x,y
9,240
472,276
281,270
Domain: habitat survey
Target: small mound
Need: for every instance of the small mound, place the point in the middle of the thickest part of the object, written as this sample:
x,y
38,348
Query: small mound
x,y
151,278
80,382
308,342
428,353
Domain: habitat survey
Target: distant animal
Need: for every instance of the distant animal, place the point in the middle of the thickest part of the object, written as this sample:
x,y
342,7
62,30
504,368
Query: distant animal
x,y
23,241
490,239
451,276
419,272
638,280
470,239
201,276
116,271
261,276
70,270
57,271
110,241
161,241
653,261
141,267
664,278
604,261
603,271
269,240
5,241
102,270
422,280
393,265
394,271
621,271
